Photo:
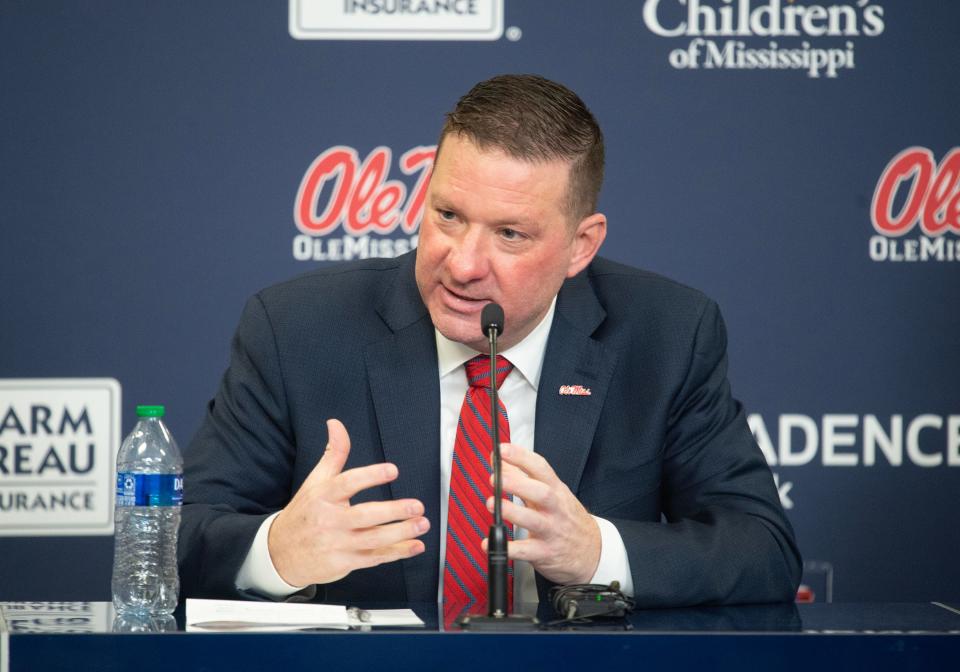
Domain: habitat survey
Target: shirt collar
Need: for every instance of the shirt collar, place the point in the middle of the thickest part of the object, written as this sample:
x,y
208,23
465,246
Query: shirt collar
x,y
526,356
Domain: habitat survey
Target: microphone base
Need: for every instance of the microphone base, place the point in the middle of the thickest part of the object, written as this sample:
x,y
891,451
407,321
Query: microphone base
x,y
511,622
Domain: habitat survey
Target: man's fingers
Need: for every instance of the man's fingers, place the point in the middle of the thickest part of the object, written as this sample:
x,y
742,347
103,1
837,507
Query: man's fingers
x,y
370,514
398,551
346,485
336,453
388,535
531,550
520,516
507,468
532,492
535,466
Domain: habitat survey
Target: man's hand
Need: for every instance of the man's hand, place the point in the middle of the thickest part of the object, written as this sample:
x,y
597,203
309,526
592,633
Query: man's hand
x,y
320,538
564,542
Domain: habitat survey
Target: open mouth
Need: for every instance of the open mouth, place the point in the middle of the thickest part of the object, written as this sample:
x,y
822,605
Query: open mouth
x,y
462,302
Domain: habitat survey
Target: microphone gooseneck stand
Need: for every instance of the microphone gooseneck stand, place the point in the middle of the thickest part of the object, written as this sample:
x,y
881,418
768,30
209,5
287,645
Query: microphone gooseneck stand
x,y
497,618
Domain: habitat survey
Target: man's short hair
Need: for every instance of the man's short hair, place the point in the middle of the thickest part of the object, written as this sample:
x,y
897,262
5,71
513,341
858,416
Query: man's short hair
x,y
534,119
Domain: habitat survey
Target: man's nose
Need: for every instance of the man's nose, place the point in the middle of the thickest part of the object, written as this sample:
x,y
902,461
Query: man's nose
x,y
469,258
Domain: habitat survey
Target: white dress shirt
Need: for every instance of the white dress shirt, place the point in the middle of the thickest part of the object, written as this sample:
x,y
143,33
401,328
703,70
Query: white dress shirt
x,y
519,396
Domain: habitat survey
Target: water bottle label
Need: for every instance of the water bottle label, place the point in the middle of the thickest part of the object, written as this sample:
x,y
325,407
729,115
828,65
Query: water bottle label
x,y
149,489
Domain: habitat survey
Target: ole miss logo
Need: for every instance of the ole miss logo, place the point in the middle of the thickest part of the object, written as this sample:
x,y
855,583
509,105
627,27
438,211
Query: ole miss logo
x,y
350,208
917,195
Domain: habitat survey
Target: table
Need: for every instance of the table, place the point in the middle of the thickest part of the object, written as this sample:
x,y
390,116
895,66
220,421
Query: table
x,y
80,636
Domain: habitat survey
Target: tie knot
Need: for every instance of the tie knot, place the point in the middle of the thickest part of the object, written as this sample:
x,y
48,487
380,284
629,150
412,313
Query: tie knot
x,y
478,371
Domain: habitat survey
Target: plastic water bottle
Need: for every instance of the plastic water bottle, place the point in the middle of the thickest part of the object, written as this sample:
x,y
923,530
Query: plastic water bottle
x,y
149,495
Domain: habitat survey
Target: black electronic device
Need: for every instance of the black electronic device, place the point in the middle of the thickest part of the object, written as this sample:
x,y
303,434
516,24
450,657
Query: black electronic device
x,y
585,601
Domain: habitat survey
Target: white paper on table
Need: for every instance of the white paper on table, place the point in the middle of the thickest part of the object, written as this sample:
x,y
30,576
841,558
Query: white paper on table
x,y
387,617
245,616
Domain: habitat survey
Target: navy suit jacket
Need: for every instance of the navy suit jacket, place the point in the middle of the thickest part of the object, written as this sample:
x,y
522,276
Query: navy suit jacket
x,y
660,448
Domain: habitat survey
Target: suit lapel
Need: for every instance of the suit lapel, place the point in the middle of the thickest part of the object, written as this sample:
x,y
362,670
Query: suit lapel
x,y
404,385
566,423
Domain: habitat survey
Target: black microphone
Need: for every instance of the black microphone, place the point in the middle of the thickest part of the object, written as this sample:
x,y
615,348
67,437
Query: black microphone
x,y
497,618
491,317
491,321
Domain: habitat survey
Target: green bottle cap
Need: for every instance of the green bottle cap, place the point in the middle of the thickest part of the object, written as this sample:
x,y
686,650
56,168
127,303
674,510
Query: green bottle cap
x,y
150,411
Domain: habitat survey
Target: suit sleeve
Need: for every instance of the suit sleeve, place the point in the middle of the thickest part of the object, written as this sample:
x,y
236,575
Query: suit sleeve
x,y
726,539
238,468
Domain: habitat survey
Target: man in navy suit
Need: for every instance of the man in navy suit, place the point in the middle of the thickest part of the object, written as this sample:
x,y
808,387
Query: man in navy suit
x,y
630,460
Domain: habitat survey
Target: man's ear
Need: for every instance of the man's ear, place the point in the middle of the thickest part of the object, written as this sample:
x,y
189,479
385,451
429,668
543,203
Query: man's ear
x,y
587,240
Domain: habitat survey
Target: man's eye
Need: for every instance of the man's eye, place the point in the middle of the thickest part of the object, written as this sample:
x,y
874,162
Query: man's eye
x,y
447,215
510,234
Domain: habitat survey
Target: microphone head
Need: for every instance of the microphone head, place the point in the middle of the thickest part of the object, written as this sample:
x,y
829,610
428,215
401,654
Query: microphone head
x,y
491,318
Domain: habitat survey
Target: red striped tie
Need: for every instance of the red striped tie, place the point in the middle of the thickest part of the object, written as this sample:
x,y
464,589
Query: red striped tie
x,y
468,521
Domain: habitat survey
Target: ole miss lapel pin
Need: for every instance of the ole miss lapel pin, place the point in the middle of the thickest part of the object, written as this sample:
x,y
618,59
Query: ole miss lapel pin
x,y
575,390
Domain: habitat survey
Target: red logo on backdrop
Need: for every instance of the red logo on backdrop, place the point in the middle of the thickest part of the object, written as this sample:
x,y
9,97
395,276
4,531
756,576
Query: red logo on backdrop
x,y
362,200
339,190
934,198
931,202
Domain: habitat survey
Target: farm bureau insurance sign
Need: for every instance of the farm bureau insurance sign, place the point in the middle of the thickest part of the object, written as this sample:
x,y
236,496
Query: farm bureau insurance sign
x,y
58,446
396,19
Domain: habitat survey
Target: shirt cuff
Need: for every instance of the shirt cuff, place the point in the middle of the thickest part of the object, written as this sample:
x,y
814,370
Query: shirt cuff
x,y
257,574
614,564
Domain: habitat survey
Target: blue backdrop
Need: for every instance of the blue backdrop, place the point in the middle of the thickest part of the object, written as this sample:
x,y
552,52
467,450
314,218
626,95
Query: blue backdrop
x,y
152,154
